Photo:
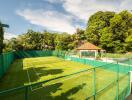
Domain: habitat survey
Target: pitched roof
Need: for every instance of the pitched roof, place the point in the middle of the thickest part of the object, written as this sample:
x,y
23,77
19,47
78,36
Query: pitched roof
x,y
88,46
129,53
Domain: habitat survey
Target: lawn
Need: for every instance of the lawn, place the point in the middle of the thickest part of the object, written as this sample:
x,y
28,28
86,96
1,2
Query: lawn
x,y
75,87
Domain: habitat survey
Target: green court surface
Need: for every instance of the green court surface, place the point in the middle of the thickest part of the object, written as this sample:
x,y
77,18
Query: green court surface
x,y
74,87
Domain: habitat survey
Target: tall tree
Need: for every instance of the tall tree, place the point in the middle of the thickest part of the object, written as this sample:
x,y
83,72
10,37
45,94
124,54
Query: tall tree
x,y
2,36
63,41
110,31
95,23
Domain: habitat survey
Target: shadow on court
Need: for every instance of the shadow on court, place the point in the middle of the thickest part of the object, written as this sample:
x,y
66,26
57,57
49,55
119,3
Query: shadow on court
x,y
15,76
36,73
46,93
42,71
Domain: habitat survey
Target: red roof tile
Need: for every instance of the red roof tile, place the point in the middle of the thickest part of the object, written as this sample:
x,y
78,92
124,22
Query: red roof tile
x,y
88,46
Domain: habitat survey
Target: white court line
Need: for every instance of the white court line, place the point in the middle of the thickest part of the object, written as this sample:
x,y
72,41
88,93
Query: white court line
x,y
29,79
125,64
61,81
37,74
46,63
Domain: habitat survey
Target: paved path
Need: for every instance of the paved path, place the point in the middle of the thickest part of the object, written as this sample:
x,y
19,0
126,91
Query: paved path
x,y
129,97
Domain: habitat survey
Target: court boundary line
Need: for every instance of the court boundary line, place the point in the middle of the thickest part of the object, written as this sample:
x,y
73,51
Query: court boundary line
x,y
36,73
29,79
125,64
62,81
57,82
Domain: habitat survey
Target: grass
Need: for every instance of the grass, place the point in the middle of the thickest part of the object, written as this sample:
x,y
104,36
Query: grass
x,y
76,87
117,55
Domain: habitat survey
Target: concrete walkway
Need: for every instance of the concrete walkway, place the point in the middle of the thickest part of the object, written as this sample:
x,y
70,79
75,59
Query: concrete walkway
x,y
129,97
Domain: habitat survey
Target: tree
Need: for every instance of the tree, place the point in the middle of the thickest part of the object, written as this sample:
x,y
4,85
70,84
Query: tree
x,y
110,31
1,38
128,40
106,40
48,40
95,23
63,42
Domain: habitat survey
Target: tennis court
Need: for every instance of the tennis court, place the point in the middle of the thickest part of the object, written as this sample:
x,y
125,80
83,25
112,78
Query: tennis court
x,y
78,82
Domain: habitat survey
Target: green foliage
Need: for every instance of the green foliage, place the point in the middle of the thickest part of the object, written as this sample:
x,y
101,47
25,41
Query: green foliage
x,y
62,41
96,23
117,55
32,40
110,31
1,38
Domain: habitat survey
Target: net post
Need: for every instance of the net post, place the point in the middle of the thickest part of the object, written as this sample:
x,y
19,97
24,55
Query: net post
x,y
129,75
129,85
26,93
117,82
94,79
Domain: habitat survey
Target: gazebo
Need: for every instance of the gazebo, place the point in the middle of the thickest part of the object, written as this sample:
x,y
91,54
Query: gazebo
x,y
89,50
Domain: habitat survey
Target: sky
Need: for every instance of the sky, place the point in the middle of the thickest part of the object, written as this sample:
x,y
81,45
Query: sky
x,y
53,15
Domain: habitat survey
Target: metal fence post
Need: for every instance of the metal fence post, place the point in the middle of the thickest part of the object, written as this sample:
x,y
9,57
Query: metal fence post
x,y
94,82
3,65
26,93
129,73
129,85
117,82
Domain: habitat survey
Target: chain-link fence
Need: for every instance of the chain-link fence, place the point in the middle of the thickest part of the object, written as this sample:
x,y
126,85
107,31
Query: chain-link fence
x,y
109,81
5,60
99,83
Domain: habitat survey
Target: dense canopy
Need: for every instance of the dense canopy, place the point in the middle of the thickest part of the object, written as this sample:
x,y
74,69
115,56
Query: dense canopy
x,y
109,30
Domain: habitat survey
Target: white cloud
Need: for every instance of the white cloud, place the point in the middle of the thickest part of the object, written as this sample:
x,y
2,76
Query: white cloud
x,y
54,1
51,20
55,20
9,35
126,4
83,9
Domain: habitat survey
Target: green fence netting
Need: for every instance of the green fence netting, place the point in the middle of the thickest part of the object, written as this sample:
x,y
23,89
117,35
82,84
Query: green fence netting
x,y
5,60
32,53
123,67
109,81
93,63
111,86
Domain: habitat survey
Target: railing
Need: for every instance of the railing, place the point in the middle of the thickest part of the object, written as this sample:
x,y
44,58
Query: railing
x,y
5,60
120,76
114,81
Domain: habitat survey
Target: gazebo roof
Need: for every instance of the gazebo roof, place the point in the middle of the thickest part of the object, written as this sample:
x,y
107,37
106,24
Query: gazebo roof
x,y
88,46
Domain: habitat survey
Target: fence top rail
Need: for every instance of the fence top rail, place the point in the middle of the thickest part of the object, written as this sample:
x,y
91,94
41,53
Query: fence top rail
x,y
45,81
42,82
33,84
96,60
